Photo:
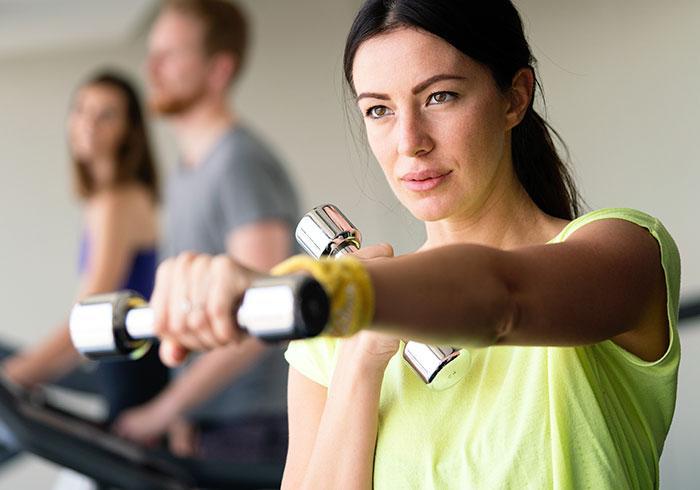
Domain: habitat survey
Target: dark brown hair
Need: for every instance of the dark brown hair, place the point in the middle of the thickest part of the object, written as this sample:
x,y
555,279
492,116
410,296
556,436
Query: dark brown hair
x,y
491,33
226,29
134,162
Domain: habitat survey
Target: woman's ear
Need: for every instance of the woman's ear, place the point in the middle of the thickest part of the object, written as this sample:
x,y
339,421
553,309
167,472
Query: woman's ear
x,y
519,96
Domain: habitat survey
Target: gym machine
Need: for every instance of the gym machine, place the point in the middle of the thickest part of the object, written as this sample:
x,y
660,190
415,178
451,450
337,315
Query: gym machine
x,y
73,442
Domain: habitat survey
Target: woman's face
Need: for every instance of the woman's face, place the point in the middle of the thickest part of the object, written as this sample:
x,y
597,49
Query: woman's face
x,y
436,122
97,124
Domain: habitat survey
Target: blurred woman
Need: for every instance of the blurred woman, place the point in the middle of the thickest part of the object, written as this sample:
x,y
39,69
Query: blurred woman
x,y
116,179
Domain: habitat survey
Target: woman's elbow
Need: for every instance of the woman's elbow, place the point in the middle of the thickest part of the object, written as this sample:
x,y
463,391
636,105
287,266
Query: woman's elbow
x,y
492,317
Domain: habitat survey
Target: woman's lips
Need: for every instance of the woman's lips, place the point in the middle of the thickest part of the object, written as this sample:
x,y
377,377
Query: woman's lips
x,y
424,180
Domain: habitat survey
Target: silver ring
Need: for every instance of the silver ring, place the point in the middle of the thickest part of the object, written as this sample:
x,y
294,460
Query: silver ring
x,y
185,306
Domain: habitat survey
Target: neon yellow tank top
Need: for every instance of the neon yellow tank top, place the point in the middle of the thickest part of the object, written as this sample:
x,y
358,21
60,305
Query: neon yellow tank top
x,y
591,417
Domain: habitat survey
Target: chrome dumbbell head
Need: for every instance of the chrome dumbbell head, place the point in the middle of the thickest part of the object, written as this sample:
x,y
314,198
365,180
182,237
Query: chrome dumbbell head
x,y
428,360
284,308
98,326
326,232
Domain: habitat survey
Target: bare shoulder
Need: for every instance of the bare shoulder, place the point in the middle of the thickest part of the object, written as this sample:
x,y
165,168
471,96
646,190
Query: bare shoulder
x,y
104,205
605,261
618,249
124,208
630,251
136,195
128,199
620,234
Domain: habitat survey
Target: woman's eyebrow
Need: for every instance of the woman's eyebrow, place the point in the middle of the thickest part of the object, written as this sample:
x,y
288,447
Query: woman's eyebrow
x,y
415,90
434,79
372,95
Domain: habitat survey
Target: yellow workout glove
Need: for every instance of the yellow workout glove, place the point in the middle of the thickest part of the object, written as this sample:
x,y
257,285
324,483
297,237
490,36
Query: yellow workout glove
x,y
348,286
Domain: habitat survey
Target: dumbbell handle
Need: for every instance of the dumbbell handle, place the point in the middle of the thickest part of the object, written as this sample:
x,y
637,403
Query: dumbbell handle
x,y
273,308
139,323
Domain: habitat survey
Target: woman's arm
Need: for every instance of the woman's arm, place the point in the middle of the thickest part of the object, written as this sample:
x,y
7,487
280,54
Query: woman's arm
x,y
306,400
333,433
111,240
604,282
49,360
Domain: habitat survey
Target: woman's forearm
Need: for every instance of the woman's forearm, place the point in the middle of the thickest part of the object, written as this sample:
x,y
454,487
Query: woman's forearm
x,y
454,294
44,363
343,455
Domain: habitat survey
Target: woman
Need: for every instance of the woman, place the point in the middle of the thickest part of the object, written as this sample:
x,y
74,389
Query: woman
x,y
567,325
116,179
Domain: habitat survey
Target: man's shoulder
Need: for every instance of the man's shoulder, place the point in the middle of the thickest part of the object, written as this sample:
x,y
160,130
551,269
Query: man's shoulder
x,y
242,147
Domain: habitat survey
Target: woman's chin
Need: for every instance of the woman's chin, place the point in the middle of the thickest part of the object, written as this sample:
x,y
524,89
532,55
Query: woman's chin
x,y
83,154
429,210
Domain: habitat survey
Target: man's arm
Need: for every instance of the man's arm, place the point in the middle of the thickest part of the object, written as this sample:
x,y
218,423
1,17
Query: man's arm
x,y
260,246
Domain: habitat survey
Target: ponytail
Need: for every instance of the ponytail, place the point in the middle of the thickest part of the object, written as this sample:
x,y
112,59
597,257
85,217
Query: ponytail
x,y
540,169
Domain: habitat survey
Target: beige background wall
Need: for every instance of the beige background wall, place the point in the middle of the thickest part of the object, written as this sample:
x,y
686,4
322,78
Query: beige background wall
x,y
621,80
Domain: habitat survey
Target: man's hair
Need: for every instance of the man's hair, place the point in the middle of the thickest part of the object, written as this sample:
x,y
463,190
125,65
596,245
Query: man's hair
x,y
225,26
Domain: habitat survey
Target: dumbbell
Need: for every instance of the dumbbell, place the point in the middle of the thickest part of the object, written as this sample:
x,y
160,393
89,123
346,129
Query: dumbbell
x,y
276,308
273,309
326,232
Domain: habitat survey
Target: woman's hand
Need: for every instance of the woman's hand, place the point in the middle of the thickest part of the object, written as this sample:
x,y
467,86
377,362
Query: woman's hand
x,y
144,424
194,303
17,370
182,438
196,296
373,347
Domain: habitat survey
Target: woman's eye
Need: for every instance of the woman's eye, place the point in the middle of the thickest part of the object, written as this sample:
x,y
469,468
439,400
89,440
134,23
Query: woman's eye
x,y
441,97
108,115
378,112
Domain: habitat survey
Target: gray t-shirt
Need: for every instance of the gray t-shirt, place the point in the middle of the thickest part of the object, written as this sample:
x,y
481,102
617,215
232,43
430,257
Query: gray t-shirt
x,y
240,182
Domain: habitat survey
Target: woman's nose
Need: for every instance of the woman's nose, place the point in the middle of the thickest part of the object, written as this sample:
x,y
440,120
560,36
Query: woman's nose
x,y
414,138
86,123
89,123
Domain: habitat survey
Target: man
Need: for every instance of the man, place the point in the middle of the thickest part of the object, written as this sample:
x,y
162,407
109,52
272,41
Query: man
x,y
229,195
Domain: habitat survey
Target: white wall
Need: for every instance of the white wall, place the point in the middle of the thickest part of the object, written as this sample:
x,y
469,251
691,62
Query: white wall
x,y
679,463
621,80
